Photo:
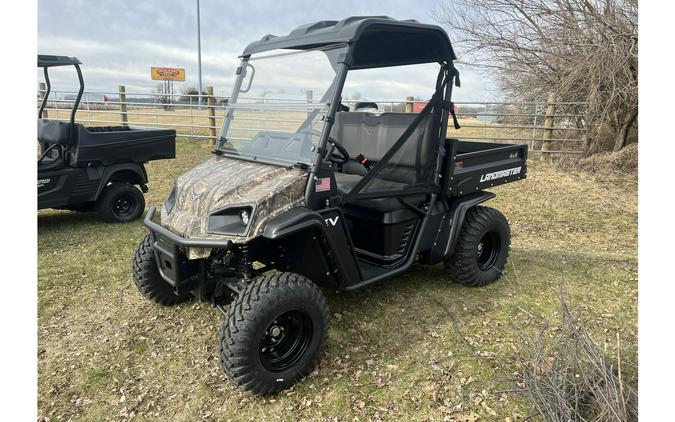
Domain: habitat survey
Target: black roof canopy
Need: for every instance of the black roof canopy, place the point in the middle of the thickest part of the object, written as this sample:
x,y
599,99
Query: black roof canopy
x,y
375,41
45,60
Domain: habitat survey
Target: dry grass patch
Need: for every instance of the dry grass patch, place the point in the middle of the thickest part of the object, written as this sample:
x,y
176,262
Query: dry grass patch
x,y
413,348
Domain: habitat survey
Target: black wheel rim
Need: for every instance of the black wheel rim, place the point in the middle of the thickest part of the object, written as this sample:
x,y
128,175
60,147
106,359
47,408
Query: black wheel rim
x,y
124,206
488,250
285,340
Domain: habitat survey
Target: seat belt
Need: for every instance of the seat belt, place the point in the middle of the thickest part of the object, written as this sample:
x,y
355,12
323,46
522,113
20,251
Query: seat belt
x,y
454,74
365,162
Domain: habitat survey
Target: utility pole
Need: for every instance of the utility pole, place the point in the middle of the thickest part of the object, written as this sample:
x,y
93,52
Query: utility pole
x,y
199,53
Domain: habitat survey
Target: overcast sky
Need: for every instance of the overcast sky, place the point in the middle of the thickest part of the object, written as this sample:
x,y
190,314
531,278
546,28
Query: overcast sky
x,y
119,40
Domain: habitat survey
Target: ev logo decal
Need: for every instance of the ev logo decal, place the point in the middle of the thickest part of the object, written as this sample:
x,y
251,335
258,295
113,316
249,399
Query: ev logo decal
x,y
500,174
332,221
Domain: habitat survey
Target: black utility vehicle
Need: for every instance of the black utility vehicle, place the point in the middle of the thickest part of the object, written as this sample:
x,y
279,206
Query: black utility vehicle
x,y
301,196
95,168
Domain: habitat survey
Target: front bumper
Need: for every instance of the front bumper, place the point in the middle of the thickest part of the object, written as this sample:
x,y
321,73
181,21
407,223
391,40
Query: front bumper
x,y
171,262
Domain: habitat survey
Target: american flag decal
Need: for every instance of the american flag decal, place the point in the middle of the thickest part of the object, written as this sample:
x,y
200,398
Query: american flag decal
x,y
322,184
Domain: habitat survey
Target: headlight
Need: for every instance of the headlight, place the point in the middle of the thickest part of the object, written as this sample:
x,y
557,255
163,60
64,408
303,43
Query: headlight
x,y
244,215
171,200
233,220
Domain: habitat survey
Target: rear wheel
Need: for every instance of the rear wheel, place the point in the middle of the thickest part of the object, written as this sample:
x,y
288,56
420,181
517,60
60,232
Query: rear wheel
x,y
274,332
147,278
120,203
482,248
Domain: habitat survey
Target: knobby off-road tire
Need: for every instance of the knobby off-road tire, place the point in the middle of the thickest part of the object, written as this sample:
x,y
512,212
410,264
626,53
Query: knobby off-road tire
x,y
273,332
147,278
120,203
482,248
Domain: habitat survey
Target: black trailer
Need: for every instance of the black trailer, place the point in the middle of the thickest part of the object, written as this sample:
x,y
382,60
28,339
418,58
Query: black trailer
x,y
275,215
95,168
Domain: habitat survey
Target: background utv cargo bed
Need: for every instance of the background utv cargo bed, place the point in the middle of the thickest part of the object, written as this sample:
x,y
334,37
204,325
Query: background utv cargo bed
x,y
475,166
107,145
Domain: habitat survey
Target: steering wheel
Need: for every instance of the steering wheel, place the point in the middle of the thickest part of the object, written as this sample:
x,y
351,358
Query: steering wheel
x,y
342,158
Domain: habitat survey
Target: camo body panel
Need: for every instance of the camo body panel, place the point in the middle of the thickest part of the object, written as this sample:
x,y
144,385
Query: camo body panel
x,y
223,181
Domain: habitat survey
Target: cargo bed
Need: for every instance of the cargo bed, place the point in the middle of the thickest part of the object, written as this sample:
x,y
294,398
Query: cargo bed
x,y
107,145
475,166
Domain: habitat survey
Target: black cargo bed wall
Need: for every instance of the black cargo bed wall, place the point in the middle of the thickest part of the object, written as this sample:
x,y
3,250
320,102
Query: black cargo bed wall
x,y
475,166
122,146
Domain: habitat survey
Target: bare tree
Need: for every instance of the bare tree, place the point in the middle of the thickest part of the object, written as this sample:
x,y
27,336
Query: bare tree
x,y
162,94
263,94
582,50
190,94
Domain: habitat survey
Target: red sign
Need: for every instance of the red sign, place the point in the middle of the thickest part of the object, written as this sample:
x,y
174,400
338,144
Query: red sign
x,y
419,105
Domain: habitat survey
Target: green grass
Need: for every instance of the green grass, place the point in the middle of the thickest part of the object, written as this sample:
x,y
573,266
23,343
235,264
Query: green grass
x,y
413,348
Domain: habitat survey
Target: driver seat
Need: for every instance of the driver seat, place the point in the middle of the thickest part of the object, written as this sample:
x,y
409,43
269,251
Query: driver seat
x,y
373,136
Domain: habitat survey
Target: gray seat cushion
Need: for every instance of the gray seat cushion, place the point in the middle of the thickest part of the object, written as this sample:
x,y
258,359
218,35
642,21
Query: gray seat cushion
x,y
53,131
346,182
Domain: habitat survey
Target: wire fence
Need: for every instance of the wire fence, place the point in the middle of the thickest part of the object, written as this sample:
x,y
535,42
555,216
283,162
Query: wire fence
x,y
548,126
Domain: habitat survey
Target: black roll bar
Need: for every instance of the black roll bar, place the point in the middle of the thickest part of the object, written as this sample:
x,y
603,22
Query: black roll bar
x,y
45,62
49,89
79,93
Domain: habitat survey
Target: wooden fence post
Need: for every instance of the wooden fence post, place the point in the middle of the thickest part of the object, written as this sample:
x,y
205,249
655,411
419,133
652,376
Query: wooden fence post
x,y
41,95
409,104
212,113
548,126
123,105
584,141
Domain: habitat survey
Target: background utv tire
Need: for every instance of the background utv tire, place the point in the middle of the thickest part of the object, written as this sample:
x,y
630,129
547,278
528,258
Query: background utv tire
x,y
147,278
120,203
273,333
482,248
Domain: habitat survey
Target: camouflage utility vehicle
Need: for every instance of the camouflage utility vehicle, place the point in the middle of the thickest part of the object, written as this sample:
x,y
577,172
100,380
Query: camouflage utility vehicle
x,y
303,194
98,168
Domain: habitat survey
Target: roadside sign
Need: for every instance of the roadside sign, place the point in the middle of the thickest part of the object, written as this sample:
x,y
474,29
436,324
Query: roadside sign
x,y
167,73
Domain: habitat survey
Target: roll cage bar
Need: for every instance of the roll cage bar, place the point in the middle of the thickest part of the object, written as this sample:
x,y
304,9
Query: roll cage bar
x,y
45,62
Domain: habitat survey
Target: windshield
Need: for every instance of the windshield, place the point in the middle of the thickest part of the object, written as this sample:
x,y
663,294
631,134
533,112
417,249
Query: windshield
x,y
277,115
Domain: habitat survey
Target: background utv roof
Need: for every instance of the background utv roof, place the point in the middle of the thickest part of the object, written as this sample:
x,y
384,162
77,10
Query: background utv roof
x,y
45,60
375,41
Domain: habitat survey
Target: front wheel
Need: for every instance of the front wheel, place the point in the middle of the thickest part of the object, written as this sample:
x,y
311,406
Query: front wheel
x,y
482,248
273,333
120,203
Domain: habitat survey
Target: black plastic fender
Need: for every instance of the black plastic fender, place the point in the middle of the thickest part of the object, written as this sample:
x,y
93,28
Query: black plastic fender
x,y
451,225
132,172
330,262
293,221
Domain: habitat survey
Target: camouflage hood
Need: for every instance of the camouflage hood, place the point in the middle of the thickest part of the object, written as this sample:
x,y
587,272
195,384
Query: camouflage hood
x,y
223,181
